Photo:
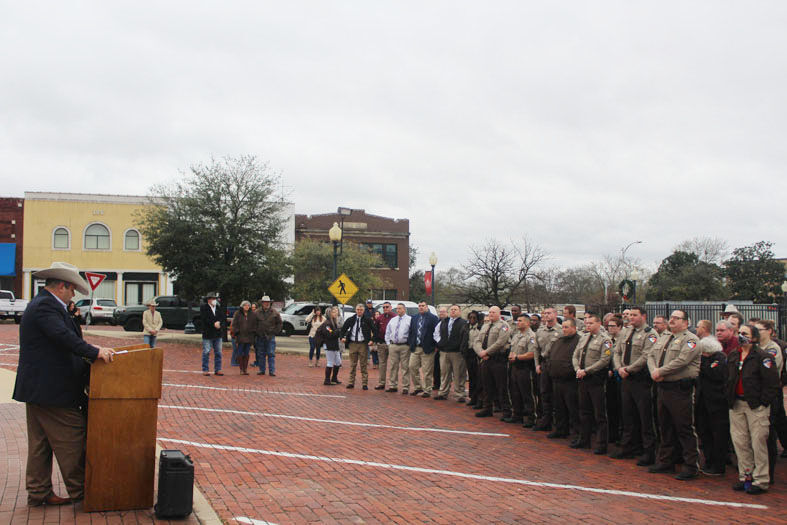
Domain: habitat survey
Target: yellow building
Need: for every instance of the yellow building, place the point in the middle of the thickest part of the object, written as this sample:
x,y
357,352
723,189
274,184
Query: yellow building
x,y
96,233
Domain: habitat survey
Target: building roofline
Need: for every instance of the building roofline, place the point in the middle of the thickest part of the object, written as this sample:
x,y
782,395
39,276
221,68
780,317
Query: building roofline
x,y
87,197
313,215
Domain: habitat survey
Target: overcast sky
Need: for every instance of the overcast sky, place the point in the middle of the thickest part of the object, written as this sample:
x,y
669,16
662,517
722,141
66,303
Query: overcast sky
x,y
587,125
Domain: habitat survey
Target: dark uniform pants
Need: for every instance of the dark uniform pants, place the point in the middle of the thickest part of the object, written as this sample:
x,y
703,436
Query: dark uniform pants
x,y
592,409
676,423
62,431
473,377
545,391
637,414
495,375
713,428
614,409
566,406
521,394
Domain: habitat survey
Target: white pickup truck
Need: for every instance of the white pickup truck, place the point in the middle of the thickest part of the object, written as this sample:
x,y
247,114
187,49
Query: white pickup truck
x,y
11,307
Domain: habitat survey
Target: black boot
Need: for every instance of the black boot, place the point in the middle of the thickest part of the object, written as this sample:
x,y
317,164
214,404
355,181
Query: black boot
x,y
335,376
327,375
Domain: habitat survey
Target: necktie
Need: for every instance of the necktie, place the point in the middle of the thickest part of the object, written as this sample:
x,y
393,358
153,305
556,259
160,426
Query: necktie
x,y
357,327
664,350
486,338
627,354
584,351
397,337
450,325
420,328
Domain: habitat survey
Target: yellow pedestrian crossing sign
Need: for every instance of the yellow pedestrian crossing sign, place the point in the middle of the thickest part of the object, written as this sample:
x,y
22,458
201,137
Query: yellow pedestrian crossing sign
x,y
343,289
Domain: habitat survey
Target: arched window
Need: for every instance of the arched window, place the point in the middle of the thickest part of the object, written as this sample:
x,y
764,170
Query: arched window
x,y
61,238
97,237
131,241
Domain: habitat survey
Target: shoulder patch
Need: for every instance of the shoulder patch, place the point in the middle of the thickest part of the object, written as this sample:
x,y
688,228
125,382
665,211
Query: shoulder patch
x,y
532,340
607,345
767,362
652,338
714,364
691,344
772,351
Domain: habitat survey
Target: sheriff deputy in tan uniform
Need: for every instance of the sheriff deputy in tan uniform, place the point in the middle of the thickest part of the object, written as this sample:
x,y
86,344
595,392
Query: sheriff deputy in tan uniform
x,y
491,345
630,359
523,346
591,361
674,366
549,332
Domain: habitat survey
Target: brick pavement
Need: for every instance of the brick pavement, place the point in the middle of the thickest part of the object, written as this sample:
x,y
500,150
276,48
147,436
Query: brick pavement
x,y
282,450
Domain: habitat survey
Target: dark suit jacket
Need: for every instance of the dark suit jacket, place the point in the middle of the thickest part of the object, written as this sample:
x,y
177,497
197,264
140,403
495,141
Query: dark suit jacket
x,y
51,369
206,316
457,341
427,337
366,329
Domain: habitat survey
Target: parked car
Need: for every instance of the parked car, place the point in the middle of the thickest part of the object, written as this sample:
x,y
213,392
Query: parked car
x,y
95,310
293,316
411,307
11,307
173,310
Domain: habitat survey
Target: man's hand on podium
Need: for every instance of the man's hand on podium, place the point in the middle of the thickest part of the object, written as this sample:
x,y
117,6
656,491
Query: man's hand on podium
x,y
106,354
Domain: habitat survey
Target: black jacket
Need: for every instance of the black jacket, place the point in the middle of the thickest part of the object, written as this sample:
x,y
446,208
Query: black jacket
x,y
207,318
561,356
457,341
367,330
328,334
760,377
51,368
427,338
712,391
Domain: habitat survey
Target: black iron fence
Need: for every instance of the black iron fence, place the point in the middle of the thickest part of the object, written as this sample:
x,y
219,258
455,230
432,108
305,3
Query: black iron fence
x,y
710,311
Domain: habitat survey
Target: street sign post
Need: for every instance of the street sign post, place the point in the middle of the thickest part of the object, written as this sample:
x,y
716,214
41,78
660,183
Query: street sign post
x,y
94,279
343,289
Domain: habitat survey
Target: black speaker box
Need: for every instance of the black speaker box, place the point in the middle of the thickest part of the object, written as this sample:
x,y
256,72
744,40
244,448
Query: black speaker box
x,y
175,485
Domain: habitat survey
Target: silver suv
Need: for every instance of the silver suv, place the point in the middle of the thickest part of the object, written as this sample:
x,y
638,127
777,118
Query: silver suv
x,y
94,310
293,316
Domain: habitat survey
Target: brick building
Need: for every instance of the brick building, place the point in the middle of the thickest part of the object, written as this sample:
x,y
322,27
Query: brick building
x,y
11,221
388,237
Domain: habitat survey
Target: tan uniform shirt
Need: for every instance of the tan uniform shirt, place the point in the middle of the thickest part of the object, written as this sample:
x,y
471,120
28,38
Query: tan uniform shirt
x,y
776,352
472,335
523,343
597,355
499,334
642,343
545,338
682,360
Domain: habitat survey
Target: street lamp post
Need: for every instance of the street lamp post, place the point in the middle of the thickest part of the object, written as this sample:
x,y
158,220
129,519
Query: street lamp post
x,y
784,310
433,263
335,235
343,212
634,277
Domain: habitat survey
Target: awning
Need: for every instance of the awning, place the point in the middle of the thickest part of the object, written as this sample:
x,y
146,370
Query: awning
x,y
8,259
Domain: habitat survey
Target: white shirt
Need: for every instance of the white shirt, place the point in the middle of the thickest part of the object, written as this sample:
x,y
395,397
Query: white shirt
x,y
436,334
398,329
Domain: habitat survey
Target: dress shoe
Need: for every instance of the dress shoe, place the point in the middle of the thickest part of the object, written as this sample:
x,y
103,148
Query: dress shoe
x,y
272,374
712,471
416,392
528,423
600,451
477,406
426,394
646,459
391,389
557,435
439,398
404,391
52,499
206,373
686,474
484,413
579,444
661,468
350,386
471,402
739,486
542,428
622,455
755,490
365,387
219,373
258,373
511,419
460,400
379,387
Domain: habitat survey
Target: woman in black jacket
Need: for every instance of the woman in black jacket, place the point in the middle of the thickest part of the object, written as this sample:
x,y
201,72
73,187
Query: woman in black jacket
x,y
752,384
327,337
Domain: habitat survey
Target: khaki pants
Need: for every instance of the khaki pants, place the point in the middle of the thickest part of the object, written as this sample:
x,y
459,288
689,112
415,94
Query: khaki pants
x,y
749,430
62,431
398,357
452,367
421,361
359,352
382,355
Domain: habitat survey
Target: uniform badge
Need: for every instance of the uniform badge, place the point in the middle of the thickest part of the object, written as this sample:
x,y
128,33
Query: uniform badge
x,y
652,338
607,345
606,353
767,362
772,351
691,344
533,340
714,364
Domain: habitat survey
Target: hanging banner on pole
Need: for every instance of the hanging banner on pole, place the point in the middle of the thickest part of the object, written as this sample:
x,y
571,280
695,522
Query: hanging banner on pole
x,y
428,282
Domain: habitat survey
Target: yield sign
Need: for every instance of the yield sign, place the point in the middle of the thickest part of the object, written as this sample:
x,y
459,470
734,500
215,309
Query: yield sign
x,y
94,279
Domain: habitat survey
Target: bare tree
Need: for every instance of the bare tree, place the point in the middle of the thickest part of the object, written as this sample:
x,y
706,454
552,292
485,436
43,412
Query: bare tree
x,y
712,250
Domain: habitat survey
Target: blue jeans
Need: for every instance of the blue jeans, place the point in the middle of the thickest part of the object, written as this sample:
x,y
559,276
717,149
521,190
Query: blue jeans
x,y
207,345
150,340
313,349
234,360
243,349
266,346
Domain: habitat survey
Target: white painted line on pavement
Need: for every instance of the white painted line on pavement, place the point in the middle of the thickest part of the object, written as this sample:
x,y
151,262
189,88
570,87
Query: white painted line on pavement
x,y
250,521
4,363
465,475
252,390
9,348
335,421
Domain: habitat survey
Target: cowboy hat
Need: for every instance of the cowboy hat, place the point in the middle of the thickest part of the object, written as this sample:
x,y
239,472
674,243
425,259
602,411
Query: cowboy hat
x,y
64,272
265,299
152,302
730,309
214,295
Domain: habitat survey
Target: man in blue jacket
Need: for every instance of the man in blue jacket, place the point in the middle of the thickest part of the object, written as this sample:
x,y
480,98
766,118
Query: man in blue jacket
x,y
422,347
51,380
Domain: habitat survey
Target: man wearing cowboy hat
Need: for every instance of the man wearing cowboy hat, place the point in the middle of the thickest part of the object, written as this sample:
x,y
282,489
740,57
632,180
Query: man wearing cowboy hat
x,y
213,318
50,381
151,323
268,324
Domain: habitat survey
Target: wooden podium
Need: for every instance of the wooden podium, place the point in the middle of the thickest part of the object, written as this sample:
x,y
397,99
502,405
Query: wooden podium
x,y
121,430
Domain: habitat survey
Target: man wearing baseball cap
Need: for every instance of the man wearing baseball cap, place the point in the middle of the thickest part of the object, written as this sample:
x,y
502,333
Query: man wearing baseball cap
x,y
51,380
